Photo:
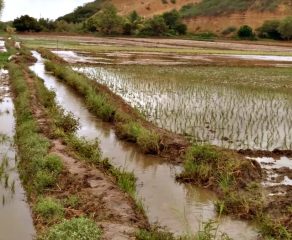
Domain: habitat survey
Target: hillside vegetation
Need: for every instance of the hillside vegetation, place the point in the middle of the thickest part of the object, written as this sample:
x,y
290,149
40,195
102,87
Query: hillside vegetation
x,y
84,12
217,7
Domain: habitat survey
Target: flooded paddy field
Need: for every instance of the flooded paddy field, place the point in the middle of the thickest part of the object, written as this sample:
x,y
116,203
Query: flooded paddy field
x,y
14,210
181,208
236,108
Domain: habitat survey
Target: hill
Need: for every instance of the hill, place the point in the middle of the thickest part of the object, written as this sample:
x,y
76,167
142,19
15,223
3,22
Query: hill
x,y
200,15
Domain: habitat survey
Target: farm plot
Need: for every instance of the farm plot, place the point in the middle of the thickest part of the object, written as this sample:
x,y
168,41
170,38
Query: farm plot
x,y
232,107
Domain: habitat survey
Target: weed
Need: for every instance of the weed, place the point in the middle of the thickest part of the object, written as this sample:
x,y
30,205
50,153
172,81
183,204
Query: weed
x,y
74,229
72,201
44,180
49,209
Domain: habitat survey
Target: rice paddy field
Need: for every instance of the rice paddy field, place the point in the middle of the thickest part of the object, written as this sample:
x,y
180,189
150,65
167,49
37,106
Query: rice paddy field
x,y
132,104
230,107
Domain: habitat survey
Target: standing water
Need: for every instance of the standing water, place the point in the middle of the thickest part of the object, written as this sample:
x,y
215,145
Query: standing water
x,y
15,216
180,208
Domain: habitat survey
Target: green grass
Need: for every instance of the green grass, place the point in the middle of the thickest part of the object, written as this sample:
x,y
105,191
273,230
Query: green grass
x,y
205,165
208,231
218,7
74,229
101,106
147,140
49,209
4,58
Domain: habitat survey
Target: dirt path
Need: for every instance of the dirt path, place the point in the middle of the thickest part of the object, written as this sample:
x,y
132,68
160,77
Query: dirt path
x,y
113,210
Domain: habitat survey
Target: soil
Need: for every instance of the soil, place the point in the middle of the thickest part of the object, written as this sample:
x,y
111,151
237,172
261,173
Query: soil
x,y
113,210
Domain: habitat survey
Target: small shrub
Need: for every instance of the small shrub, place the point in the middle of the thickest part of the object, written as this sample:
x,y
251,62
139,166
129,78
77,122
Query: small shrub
x,y
49,209
67,122
74,229
285,28
269,29
245,32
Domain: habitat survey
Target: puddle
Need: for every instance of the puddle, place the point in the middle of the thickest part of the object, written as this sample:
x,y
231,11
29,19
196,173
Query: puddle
x,y
14,211
181,208
261,57
73,57
2,46
278,172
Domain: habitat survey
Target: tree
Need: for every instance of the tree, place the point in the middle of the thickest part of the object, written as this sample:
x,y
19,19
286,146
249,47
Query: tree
x,y
245,32
174,22
46,25
26,24
132,23
155,26
106,21
269,29
285,28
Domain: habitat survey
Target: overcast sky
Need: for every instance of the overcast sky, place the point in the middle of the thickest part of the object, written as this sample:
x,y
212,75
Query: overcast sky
x,y
39,8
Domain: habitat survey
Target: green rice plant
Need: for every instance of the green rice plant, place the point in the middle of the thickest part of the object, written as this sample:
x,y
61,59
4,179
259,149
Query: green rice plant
x,y
49,209
74,229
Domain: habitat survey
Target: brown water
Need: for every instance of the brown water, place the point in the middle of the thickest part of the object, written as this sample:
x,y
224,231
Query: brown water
x,y
15,216
181,208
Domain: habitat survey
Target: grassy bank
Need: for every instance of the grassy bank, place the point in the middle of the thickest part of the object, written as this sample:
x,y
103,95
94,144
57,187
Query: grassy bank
x,y
129,125
41,171
237,182
56,213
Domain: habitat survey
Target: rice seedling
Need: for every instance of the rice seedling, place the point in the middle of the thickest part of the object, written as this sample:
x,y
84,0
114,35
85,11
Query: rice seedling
x,y
231,107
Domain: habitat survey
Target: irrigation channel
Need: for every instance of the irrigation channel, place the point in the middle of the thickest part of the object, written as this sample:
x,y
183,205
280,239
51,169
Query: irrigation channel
x,y
15,216
180,208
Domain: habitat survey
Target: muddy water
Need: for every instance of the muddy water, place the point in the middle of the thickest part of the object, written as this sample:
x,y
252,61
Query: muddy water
x,y
15,216
278,171
181,208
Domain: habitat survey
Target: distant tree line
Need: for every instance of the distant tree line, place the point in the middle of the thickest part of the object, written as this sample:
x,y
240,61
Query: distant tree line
x,y
107,21
270,29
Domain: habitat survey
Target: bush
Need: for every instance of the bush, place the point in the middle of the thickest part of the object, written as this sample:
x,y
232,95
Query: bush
x,y
74,229
285,28
49,209
245,32
270,29
155,26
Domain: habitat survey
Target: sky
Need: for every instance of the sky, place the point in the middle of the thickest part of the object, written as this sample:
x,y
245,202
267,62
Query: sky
x,y
39,8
